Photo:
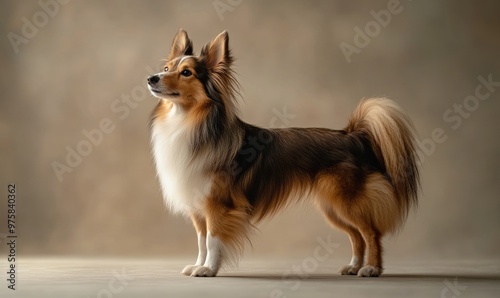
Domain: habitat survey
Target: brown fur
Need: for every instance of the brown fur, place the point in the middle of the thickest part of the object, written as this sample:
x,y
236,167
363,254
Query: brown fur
x,y
363,178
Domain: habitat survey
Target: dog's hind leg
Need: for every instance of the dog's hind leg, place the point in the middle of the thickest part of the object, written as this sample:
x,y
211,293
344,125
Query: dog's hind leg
x,y
365,210
374,213
357,242
373,267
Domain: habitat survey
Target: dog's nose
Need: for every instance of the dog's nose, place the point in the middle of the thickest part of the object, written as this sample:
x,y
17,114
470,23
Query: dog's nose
x,y
153,79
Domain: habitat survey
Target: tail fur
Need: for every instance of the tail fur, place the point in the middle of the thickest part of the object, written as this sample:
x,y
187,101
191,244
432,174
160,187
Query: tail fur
x,y
392,136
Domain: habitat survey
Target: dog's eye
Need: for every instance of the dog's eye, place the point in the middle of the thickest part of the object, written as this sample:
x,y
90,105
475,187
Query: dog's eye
x,y
186,72
165,69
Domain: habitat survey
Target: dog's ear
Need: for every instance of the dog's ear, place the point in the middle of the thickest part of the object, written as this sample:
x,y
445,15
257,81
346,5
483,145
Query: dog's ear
x,y
216,53
182,45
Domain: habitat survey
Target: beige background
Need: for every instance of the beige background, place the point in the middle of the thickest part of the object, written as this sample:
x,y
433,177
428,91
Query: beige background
x,y
91,53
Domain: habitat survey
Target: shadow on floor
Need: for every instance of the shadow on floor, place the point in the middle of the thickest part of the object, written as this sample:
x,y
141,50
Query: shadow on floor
x,y
384,277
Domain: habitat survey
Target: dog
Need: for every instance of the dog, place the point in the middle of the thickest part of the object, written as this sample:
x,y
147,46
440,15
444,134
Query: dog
x,y
227,175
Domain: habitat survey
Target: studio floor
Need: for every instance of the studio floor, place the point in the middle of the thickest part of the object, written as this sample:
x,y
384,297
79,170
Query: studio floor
x,y
59,277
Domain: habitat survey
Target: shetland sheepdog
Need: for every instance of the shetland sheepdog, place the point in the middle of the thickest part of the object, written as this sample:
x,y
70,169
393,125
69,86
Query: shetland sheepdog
x,y
227,175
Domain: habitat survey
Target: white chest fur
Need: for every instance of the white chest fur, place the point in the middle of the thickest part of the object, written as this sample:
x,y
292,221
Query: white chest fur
x,y
181,177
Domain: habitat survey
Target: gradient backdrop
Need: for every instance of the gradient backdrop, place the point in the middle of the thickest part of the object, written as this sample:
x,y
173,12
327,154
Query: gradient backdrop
x,y
83,64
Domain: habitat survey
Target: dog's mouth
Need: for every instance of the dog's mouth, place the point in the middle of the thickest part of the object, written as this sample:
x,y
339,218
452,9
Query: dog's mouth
x,y
156,91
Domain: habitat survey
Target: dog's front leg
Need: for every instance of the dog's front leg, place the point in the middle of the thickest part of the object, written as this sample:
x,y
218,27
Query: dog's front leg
x,y
213,259
201,231
227,230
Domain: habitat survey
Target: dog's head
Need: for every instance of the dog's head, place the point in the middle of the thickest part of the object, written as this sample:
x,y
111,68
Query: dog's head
x,y
188,80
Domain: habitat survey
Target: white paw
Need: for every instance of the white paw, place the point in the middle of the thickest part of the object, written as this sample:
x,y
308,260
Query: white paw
x,y
369,271
349,270
202,271
189,269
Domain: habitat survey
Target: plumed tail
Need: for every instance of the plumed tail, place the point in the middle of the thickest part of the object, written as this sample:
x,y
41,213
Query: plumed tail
x,y
392,136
